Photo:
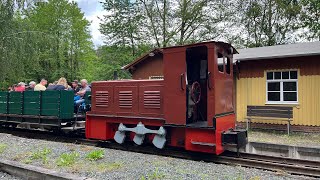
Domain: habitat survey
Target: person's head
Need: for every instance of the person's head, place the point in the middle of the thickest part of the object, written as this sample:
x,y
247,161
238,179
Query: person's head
x,y
74,83
43,82
84,83
21,84
62,81
32,84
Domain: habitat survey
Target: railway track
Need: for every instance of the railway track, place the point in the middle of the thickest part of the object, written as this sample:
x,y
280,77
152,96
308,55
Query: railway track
x,y
276,164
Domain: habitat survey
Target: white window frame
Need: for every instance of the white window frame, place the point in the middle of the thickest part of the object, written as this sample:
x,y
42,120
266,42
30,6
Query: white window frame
x,y
281,87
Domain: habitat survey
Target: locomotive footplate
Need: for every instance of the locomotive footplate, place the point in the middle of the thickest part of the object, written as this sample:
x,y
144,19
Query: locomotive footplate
x,y
140,131
237,138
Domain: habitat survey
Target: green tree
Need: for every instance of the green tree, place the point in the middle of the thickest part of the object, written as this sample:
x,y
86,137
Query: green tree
x,y
63,23
163,22
15,51
310,18
121,25
269,22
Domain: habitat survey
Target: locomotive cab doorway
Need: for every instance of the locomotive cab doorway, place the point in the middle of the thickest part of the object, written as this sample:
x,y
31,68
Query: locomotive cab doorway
x,y
196,83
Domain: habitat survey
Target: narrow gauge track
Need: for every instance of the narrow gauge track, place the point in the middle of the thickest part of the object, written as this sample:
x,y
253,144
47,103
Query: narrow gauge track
x,y
271,163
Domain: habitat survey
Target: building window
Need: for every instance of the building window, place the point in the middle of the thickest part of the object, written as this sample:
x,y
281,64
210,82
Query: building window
x,y
282,87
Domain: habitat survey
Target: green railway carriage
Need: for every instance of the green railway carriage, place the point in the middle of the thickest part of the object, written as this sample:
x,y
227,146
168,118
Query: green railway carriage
x,y
49,109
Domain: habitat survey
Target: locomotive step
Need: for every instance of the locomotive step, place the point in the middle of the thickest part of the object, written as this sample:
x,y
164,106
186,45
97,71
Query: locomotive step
x,y
203,143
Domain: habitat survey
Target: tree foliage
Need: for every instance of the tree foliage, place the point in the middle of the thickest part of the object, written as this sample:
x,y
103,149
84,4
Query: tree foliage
x,y
46,39
310,18
162,23
269,22
51,38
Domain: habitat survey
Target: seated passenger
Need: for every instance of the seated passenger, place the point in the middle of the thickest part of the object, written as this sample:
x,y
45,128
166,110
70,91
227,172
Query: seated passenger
x,y
60,85
41,86
75,86
79,98
20,87
31,86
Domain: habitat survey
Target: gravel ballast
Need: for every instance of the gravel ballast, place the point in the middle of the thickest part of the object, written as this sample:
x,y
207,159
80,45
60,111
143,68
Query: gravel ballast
x,y
117,164
5,176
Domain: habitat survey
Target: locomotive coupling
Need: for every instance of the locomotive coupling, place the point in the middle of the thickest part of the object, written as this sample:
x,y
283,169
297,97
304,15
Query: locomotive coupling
x,y
237,138
140,131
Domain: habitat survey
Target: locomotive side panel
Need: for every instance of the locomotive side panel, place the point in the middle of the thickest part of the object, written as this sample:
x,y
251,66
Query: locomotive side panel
x,y
175,85
102,98
151,100
223,82
137,98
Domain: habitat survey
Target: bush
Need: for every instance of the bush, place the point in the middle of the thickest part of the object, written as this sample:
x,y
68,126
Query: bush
x,y
95,155
3,147
41,154
67,159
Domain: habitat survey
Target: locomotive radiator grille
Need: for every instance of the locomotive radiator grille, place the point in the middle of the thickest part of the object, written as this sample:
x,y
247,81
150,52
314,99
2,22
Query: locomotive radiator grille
x,y
102,99
125,99
152,100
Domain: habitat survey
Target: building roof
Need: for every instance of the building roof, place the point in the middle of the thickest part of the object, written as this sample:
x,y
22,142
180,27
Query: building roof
x,y
142,58
279,51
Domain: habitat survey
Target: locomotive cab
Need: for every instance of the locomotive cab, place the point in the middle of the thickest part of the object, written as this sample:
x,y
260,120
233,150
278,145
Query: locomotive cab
x,y
199,86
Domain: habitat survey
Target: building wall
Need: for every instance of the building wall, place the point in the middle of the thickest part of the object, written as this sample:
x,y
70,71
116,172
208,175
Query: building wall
x,y
149,67
251,88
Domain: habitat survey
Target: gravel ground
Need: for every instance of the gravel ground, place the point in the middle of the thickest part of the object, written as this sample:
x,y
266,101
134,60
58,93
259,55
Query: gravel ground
x,y
116,164
295,138
5,176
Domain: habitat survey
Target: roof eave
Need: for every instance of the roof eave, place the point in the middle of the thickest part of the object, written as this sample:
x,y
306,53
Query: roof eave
x,y
276,57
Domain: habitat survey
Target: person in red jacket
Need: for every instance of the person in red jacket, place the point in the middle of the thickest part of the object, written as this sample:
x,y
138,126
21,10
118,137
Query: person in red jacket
x,y
20,87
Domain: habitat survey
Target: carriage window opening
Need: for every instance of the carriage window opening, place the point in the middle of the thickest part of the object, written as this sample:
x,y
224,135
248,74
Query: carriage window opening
x,y
221,62
228,67
282,87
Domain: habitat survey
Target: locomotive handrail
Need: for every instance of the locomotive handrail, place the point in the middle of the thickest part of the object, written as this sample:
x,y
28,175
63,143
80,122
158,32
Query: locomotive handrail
x,y
181,81
208,79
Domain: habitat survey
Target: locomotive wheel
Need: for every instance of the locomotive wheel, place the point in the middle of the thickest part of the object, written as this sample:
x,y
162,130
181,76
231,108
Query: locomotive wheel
x,y
196,92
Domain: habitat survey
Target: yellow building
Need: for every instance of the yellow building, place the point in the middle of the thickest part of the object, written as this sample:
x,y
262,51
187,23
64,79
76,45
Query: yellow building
x,y
283,75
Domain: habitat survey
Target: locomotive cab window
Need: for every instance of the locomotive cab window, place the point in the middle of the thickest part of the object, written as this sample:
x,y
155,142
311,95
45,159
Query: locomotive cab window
x,y
282,87
220,62
228,67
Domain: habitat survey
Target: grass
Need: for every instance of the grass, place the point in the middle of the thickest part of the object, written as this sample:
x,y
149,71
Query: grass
x,y
3,147
109,166
276,137
40,155
67,159
153,175
95,155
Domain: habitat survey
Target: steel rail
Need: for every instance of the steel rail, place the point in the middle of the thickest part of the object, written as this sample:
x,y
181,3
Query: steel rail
x,y
271,163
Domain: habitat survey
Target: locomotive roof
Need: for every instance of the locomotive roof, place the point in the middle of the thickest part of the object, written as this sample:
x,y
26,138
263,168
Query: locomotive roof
x,y
279,51
203,43
160,51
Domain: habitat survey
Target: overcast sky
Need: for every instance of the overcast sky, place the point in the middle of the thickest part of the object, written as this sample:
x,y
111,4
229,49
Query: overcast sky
x,y
92,10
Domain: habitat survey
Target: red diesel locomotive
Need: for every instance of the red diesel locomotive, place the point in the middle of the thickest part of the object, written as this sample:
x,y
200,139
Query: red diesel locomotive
x,y
191,108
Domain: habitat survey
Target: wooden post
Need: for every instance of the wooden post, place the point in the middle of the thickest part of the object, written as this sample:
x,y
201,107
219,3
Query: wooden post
x,y
247,124
288,127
